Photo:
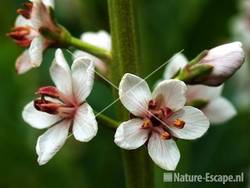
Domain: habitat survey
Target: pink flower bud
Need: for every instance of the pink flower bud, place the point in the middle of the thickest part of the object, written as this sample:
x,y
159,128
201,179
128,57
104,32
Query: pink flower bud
x,y
226,60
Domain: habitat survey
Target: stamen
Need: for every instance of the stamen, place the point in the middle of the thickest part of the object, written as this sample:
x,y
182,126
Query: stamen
x,y
20,35
165,135
53,92
19,32
23,43
178,123
66,112
54,108
152,104
46,106
146,123
28,5
49,91
26,12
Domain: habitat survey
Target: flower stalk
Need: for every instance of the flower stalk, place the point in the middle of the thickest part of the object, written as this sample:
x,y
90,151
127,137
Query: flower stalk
x,y
65,39
107,121
125,57
94,50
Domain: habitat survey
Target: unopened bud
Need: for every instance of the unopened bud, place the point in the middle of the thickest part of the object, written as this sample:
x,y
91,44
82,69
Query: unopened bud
x,y
225,60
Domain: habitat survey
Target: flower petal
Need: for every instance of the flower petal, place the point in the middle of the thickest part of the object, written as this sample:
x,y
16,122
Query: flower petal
x,y
37,119
60,73
23,63
178,61
99,64
41,15
203,92
84,125
21,21
219,110
101,39
49,3
171,94
38,14
196,123
134,94
129,135
82,78
164,153
36,49
49,143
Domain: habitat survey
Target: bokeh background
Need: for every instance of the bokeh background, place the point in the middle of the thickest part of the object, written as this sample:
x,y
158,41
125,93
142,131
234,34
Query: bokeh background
x,y
166,27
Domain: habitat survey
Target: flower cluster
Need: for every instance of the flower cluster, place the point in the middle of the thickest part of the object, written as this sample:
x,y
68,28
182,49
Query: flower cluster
x,y
157,120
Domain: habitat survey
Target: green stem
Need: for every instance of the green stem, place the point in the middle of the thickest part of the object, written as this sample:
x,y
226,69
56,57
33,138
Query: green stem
x,y
64,39
94,50
107,121
125,57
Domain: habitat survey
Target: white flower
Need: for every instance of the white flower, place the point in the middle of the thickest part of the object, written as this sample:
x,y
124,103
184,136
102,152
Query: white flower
x,y
100,39
63,108
35,15
158,118
226,60
218,109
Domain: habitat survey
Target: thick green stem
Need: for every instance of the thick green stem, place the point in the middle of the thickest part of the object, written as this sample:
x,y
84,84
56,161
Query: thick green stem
x,y
125,57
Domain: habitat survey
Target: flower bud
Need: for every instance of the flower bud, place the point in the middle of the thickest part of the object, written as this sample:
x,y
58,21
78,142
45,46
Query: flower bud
x,y
34,19
225,60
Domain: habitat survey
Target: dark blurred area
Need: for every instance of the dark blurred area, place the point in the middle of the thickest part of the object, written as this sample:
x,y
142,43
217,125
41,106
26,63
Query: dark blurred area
x,y
166,27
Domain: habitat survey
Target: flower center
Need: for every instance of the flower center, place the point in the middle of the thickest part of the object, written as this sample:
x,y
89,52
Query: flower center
x,y
54,102
158,120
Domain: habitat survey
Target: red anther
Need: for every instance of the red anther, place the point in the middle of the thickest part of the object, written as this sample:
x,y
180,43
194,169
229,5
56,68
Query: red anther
x,y
24,13
28,5
19,32
46,106
23,43
152,104
50,91
20,36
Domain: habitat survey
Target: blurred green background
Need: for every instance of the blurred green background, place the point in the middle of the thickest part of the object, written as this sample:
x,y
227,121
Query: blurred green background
x,y
166,26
